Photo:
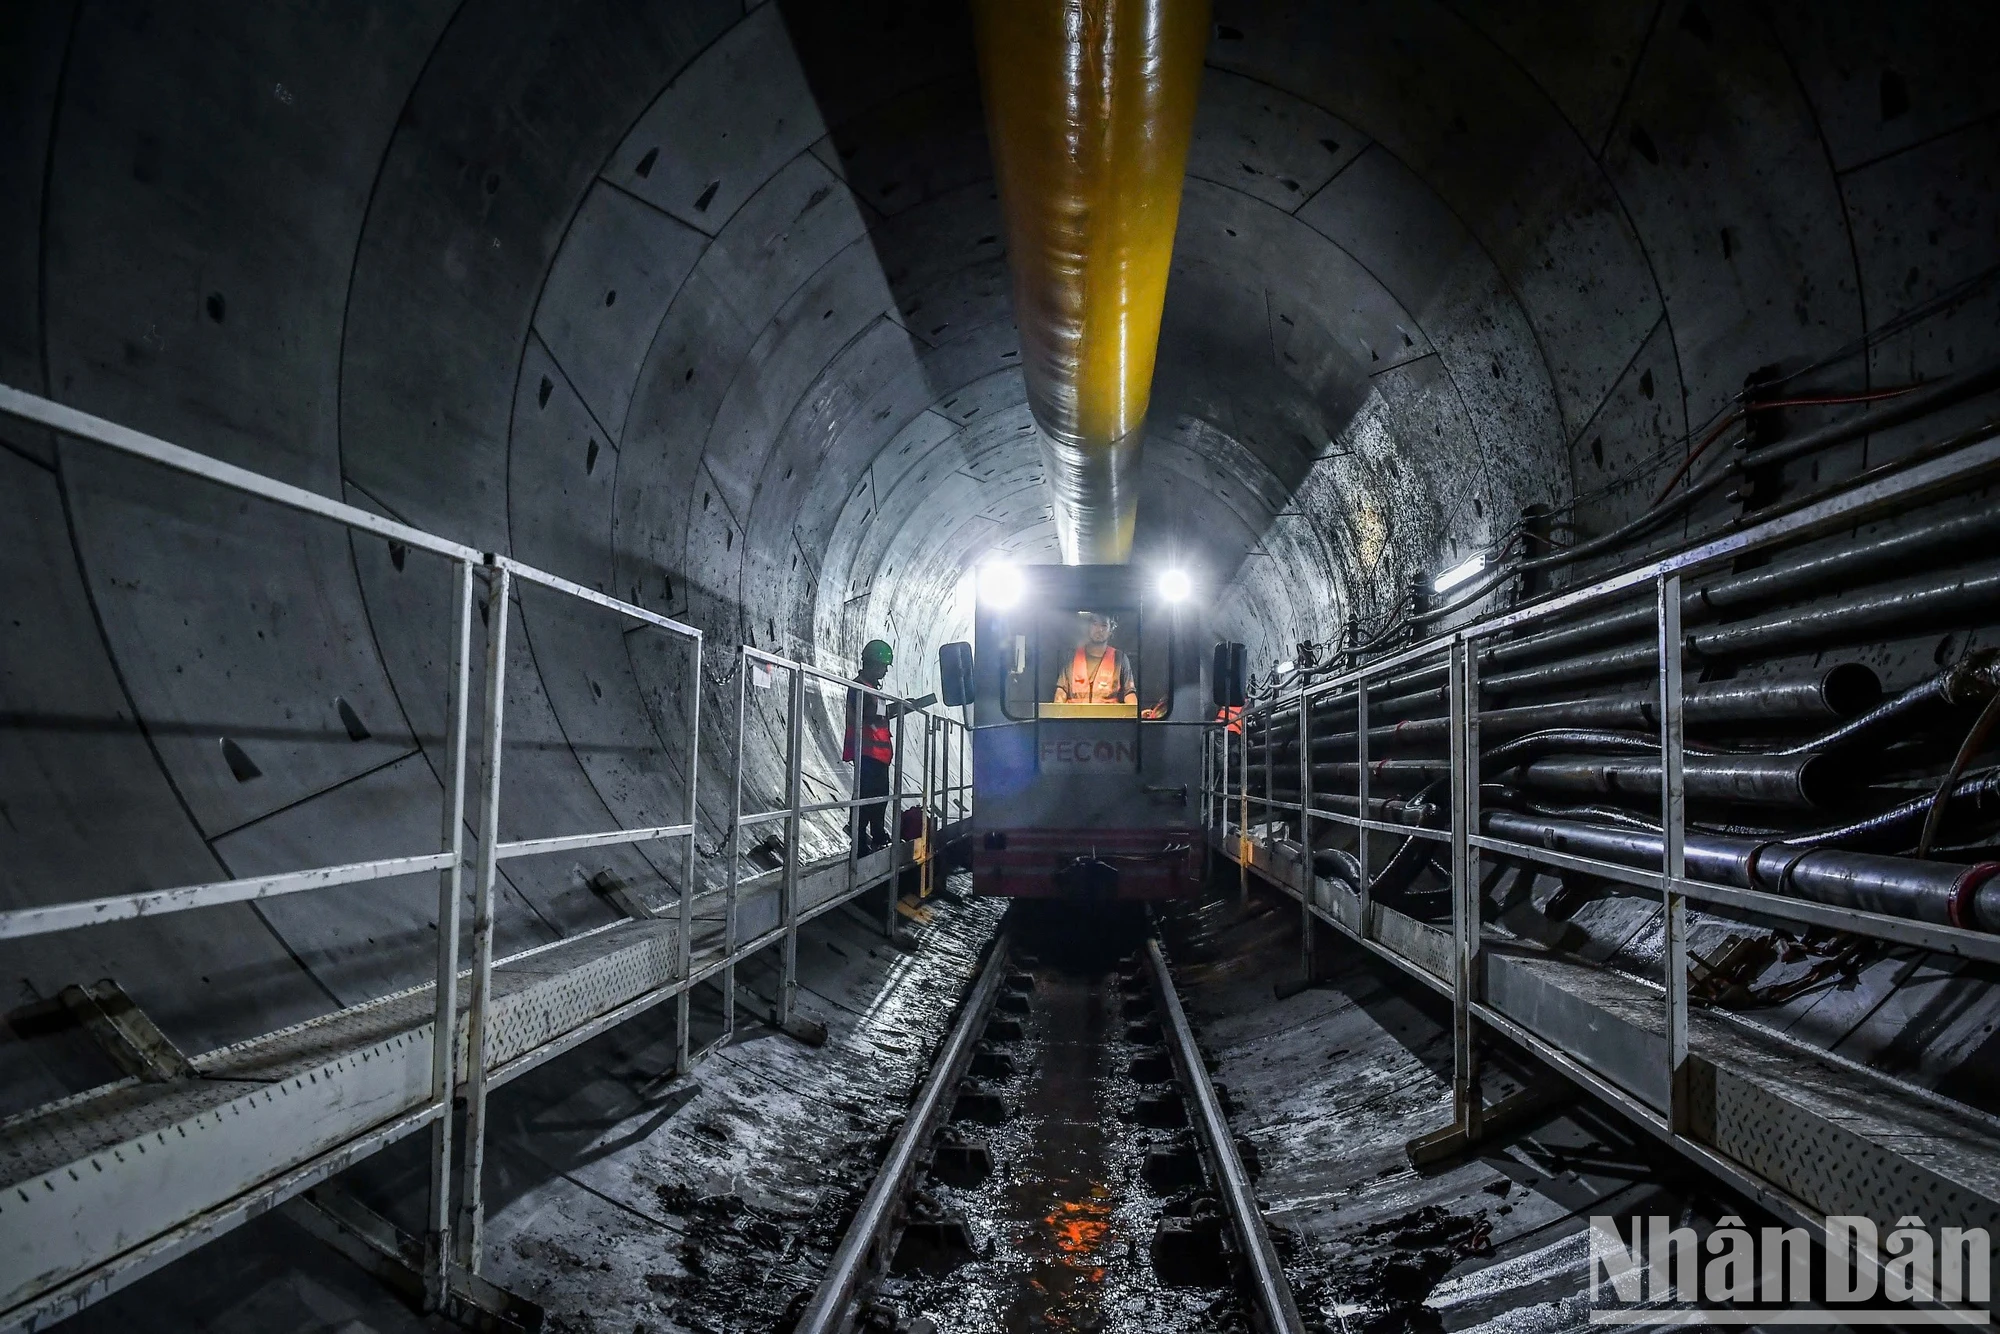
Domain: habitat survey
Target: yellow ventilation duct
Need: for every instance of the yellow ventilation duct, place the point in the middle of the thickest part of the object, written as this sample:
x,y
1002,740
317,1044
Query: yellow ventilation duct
x,y
1089,105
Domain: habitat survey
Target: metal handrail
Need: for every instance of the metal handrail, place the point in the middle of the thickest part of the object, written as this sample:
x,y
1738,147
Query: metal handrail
x,y
1895,485
453,1241
795,809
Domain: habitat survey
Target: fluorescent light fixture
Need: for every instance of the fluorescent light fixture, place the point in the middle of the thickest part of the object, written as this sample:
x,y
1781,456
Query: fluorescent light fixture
x,y
1285,667
1458,574
1175,585
1000,584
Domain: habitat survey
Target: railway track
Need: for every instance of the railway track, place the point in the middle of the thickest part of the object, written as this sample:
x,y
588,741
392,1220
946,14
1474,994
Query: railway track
x,y
1067,1164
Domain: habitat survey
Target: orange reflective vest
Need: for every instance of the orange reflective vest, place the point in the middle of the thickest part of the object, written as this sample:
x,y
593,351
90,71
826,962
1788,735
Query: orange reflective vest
x,y
878,743
1233,716
1099,687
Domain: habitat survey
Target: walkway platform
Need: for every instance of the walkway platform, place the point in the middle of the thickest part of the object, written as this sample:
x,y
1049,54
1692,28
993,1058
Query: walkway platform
x,y
1806,1133
101,1188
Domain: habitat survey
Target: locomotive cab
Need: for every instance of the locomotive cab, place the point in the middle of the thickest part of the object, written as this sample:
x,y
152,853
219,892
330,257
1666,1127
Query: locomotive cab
x,y
1087,701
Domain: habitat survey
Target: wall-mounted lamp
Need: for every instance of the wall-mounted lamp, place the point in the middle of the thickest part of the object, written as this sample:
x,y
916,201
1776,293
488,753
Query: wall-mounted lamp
x,y
1458,574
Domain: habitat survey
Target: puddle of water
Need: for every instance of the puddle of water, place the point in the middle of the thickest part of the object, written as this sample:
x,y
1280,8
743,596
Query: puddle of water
x,y
1065,1222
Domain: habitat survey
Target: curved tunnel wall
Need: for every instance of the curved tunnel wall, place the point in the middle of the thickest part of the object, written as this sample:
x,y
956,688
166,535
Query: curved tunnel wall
x,y
708,308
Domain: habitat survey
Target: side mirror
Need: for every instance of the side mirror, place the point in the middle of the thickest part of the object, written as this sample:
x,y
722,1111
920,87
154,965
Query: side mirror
x,y
1232,669
955,674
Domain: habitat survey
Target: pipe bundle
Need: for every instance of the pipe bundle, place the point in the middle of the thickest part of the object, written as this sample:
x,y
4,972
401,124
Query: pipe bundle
x,y
1792,783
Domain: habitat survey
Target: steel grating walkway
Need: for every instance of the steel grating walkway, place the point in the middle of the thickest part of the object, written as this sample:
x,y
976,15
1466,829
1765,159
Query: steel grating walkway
x,y
98,1189
1807,1134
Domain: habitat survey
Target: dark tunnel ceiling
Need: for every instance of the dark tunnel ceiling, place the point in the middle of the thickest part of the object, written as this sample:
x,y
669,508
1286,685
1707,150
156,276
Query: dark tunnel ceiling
x,y
707,308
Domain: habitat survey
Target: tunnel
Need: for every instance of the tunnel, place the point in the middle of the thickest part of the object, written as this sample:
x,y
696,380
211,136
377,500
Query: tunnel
x,y
695,330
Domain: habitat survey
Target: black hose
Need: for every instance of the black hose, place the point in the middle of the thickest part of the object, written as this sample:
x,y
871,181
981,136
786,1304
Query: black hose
x,y
1968,681
1575,740
1974,804
1402,868
1974,741
1940,892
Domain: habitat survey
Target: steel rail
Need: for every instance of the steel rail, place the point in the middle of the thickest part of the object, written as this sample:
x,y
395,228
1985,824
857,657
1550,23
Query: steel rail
x,y
561,585
534,847
828,1312
53,917
81,425
1267,1276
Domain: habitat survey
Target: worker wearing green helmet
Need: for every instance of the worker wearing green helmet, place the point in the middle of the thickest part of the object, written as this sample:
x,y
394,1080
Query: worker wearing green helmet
x,y
874,750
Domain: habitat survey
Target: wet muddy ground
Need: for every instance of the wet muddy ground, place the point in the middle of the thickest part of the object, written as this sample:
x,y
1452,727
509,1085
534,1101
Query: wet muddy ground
x,y
1064,1228
626,1199
1332,1082
630,1201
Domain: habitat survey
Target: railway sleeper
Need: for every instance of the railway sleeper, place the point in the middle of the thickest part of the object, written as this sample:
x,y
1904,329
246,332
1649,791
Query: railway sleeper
x,y
1192,1250
960,1161
1004,1030
979,1104
1160,1111
1152,1066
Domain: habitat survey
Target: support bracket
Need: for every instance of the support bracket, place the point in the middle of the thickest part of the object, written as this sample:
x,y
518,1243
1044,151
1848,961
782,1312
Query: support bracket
x,y
1516,1109
335,1217
127,1034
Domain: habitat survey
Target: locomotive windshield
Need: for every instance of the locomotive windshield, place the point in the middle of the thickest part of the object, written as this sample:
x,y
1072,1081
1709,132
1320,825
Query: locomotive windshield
x,y
1085,662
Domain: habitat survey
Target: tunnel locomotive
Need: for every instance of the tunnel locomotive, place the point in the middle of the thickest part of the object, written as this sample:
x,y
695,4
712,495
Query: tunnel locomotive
x,y
1085,685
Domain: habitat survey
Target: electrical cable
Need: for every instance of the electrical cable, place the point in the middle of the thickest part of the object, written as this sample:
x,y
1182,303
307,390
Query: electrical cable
x,y
1974,739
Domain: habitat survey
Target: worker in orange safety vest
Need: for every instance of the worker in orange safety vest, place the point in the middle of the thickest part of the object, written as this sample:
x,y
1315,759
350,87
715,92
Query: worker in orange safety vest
x,y
876,754
1099,673
877,748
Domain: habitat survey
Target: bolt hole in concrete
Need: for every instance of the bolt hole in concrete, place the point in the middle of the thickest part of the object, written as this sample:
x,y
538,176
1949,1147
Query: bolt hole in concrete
x,y
241,767
1069,1212
349,719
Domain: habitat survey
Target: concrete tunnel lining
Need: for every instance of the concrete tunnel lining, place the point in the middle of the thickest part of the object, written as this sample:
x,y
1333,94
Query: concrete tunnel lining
x,y
688,374
375,253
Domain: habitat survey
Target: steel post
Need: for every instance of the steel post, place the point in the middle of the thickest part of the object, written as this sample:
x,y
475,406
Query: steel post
x,y
1361,858
744,666
932,747
1673,847
444,1034
1465,1094
1308,956
684,934
788,892
472,1207
857,709
1243,721
894,816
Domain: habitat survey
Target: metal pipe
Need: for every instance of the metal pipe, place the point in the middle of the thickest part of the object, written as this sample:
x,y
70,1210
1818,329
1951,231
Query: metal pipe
x,y
1940,892
1792,782
1833,568
1841,691
1781,782
1089,110
1907,606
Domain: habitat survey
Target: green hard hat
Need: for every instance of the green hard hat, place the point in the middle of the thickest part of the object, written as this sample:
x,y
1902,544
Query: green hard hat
x,y
877,653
